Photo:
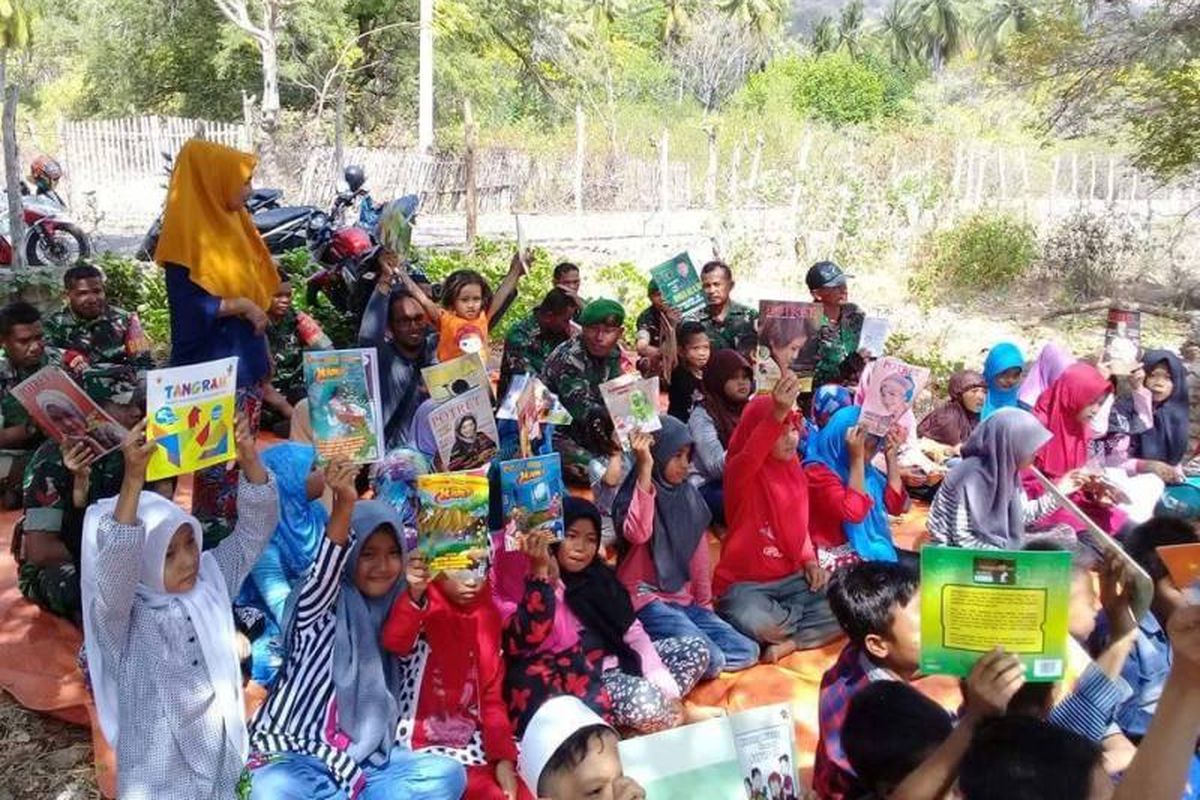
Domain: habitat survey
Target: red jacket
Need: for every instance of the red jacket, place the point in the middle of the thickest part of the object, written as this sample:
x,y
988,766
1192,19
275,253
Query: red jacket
x,y
756,494
463,675
831,504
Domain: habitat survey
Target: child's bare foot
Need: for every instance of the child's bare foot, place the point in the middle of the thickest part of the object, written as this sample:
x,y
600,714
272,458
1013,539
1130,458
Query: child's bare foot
x,y
694,713
777,652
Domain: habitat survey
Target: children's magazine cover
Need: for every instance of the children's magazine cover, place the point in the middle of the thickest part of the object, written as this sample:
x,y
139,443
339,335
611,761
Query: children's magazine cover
x,y
452,521
632,402
872,339
190,417
455,377
975,600
787,339
531,405
750,754
465,430
679,284
891,390
394,480
344,404
532,493
395,229
66,414
1123,340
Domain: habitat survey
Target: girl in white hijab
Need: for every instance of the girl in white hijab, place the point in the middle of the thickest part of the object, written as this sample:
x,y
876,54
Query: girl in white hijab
x,y
158,628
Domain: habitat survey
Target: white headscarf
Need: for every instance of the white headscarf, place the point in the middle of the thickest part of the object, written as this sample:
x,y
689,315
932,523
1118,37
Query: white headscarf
x,y
207,604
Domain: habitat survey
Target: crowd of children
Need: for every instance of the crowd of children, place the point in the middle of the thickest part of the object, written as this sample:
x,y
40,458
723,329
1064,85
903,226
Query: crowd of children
x,y
749,525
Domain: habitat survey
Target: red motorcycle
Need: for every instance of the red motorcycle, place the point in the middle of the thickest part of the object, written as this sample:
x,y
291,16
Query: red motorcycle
x,y
50,240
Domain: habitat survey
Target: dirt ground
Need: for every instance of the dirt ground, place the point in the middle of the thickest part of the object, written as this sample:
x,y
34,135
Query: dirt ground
x,y
42,758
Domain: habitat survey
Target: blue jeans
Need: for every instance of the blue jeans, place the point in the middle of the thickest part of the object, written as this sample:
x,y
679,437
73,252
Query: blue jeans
x,y
414,776
728,650
777,611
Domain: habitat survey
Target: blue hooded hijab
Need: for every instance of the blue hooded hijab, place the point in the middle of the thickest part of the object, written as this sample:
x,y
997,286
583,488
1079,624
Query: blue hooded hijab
x,y
1001,358
871,538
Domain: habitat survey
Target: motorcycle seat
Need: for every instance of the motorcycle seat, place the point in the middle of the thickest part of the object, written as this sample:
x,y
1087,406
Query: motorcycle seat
x,y
274,217
263,197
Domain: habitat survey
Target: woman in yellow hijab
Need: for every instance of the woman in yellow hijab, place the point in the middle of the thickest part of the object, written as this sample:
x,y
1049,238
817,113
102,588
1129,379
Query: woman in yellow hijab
x,y
220,279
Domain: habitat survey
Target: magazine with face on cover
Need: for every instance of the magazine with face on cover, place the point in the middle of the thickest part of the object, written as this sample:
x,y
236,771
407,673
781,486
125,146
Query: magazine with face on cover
x,y
788,332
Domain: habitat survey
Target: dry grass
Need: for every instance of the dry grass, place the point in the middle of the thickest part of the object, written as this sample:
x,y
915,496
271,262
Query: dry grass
x,y
42,758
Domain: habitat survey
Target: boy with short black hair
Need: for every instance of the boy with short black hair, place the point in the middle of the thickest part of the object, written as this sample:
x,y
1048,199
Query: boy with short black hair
x,y
915,726
1033,760
694,351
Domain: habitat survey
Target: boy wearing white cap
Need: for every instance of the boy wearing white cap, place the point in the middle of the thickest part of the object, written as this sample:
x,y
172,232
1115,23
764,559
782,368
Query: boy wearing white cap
x,y
570,753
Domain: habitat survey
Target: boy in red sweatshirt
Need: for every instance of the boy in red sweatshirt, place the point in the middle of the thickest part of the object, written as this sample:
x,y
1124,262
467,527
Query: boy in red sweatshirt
x,y
768,583
447,635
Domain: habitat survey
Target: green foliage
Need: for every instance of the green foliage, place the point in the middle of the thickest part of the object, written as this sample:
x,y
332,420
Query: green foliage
x,y
982,253
341,328
1167,142
124,280
836,88
626,283
1090,254
921,352
133,287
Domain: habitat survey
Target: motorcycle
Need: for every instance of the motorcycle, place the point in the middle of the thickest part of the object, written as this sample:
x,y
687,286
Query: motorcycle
x,y
50,239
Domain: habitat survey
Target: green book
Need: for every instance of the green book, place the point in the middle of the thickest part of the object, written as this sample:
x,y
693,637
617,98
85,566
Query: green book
x,y
975,600
679,284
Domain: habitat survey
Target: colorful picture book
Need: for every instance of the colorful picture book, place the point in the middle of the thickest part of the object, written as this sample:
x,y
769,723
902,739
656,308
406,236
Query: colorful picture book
x,y
872,339
455,377
465,430
1122,340
452,532
975,600
394,480
679,284
66,414
344,404
750,754
395,229
190,417
531,405
891,389
632,402
532,493
787,339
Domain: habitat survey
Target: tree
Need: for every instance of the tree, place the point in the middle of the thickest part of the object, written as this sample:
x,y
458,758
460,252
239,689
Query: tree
x,y
895,26
763,16
263,29
716,56
1000,23
850,28
425,79
824,36
942,30
14,35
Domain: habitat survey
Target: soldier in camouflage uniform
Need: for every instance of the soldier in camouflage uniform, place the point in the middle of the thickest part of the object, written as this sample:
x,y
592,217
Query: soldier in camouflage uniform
x,y
729,325
289,334
574,372
48,545
90,332
531,341
25,352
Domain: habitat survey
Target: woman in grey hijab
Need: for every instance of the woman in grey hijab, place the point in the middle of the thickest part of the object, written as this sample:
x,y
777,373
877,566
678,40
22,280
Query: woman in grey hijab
x,y
981,503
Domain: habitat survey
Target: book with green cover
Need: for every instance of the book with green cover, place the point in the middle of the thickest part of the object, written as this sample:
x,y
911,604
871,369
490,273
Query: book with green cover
x,y
975,600
679,284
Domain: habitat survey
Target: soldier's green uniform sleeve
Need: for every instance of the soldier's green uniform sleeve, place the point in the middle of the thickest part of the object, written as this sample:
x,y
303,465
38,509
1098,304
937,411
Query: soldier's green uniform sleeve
x,y
46,490
12,413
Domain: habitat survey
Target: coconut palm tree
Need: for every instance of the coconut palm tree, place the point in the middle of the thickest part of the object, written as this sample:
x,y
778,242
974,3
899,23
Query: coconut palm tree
x,y
850,28
763,16
895,27
676,20
1003,20
824,35
942,29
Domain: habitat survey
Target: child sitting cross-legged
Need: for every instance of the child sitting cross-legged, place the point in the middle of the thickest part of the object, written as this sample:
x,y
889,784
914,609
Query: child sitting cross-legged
x,y
447,635
158,627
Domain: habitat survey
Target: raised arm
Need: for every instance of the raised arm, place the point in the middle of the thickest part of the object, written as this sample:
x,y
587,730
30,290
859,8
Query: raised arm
x,y
743,467
320,589
516,269
372,331
388,263
257,510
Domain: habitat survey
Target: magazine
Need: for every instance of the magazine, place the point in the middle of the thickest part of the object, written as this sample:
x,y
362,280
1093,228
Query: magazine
x,y
394,480
1123,340
190,417
680,285
531,405
452,531
1099,540
891,389
632,402
395,230
532,493
1183,564
748,754
344,404
788,337
975,600
465,430
454,377
66,414
872,339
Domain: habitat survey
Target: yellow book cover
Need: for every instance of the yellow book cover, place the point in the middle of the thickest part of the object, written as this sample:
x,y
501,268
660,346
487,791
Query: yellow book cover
x,y
190,413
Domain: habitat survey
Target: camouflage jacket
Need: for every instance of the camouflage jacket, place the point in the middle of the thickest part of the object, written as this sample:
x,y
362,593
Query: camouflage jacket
x,y
735,332
12,413
650,322
575,376
48,482
114,337
287,352
838,340
526,349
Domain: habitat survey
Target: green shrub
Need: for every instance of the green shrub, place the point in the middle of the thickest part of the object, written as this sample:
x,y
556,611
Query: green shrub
x,y
836,88
123,279
981,253
1090,254
626,283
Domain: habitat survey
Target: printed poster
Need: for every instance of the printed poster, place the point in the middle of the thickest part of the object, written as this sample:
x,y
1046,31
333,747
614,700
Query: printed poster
x,y
452,530
532,493
190,417
66,414
344,404
891,390
455,377
975,600
680,285
632,402
788,337
465,430
1123,340
872,339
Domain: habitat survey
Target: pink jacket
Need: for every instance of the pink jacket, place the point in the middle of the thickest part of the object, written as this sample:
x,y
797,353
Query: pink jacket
x,y
637,567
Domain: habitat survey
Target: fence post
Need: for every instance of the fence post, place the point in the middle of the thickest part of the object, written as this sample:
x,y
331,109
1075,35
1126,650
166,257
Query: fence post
x,y
756,162
1075,177
664,172
1112,176
580,155
710,178
339,123
735,166
472,199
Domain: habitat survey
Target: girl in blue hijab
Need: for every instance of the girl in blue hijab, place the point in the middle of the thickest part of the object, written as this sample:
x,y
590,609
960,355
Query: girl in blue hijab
x,y
1002,370
289,554
870,539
